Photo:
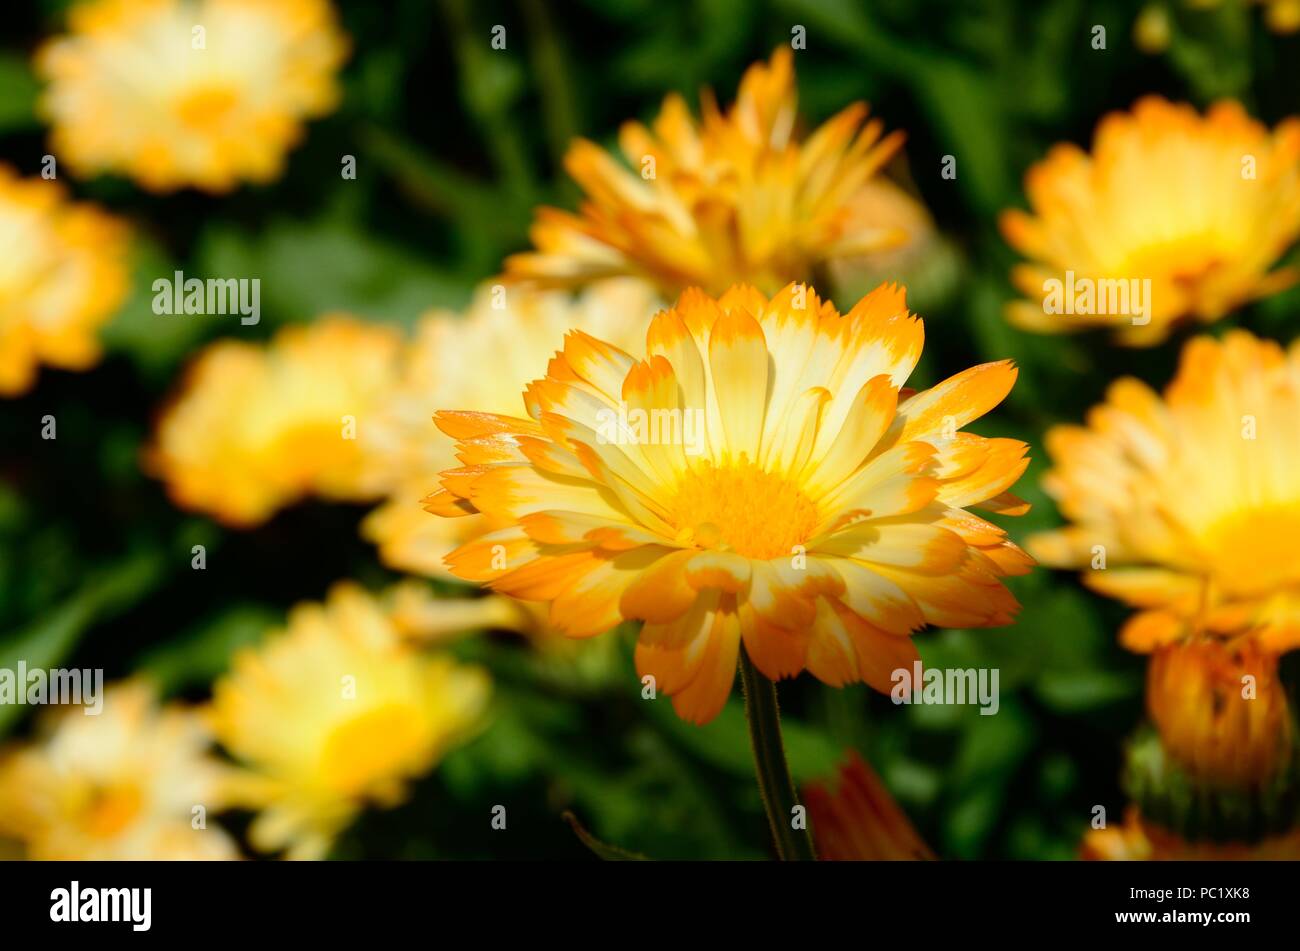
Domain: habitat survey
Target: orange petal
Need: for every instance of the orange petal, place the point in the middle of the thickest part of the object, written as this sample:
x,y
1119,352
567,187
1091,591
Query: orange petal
x,y
956,401
776,651
738,367
705,696
661,593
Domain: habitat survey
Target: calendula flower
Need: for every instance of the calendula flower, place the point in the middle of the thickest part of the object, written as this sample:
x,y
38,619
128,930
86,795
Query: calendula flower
x,y
1220,709
733,198
483,359
860,821
1187,506
63,273
202,93
758,475
256,427
1138,840
337,711
134,781
1173,217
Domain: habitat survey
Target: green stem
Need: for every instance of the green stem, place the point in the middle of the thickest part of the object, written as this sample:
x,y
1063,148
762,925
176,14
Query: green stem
x,y
774,783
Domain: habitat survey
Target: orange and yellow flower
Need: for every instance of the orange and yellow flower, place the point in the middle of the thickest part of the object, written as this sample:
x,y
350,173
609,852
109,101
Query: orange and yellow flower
x,y
337,711
134,781
1200,206
481,359
1138,840
1187,507
202,93
758,475
860,821
733,198
256,427
1221,710
63,273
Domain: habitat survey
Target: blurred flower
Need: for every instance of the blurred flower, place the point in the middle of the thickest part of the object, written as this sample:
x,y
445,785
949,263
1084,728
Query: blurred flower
x,y
860,821
1282,16
1201,207
337,711
1220,709
482,360
734,198
205,93
63,273
1138,840
256,427
891,208
1188,507
759,476
1151,30
422,617
129,783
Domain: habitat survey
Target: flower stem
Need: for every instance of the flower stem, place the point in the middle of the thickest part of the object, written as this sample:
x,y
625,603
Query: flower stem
x,y
774,783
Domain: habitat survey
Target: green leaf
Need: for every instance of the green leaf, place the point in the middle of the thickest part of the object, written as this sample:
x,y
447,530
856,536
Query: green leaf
x,y
203,653
48,641
18,92
1083,690
155,342
311,268
724,741
476,208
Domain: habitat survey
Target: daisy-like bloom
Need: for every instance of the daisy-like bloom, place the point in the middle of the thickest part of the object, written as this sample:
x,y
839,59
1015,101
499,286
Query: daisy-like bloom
x,y
1221,710
860,821
1187,506
337,711
134,782
733,198
1139,840
256,427
483,360
1198,206
202,93
63,273
757,474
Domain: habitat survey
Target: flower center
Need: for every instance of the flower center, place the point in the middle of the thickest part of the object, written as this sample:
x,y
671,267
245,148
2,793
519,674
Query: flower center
x,y
110,809
306,449
1254,552
369,747
741,507
206,106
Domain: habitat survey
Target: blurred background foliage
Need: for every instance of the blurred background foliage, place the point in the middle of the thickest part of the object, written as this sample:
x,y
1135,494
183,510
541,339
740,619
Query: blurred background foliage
x,y
455,145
